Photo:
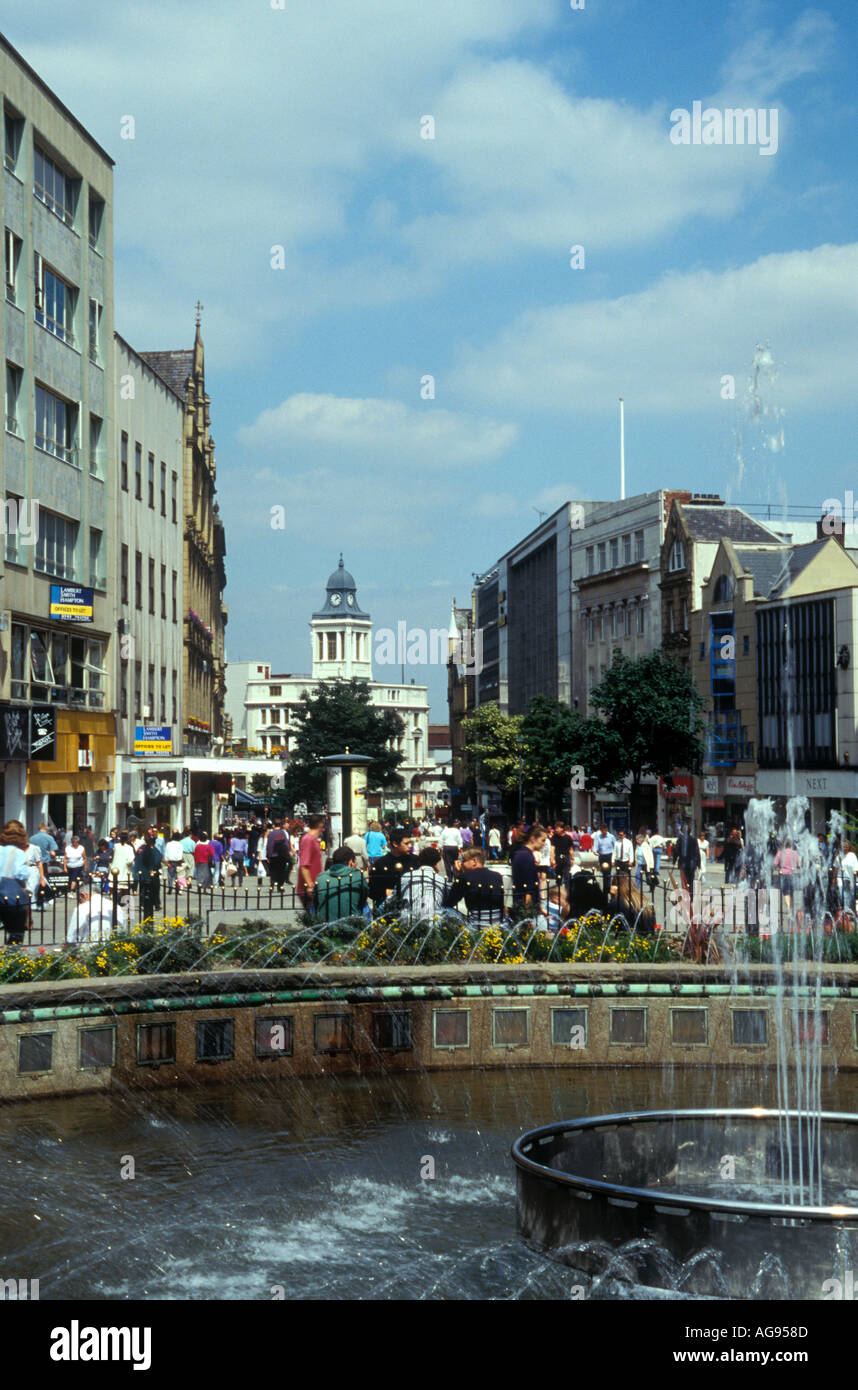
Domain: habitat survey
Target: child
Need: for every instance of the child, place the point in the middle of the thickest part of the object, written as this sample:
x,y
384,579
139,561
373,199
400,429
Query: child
x,y
554,922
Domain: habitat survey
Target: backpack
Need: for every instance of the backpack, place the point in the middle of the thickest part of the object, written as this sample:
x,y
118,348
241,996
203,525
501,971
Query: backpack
x,y
281,844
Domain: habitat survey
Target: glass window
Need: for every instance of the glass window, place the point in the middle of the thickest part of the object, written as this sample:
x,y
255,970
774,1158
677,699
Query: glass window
x,y
56,421
274,1037
603,555
689,1027
627,549
569,1027
35,1052
123,575
332,1032
55,545
163,488
677,557
615,553
151,480
55,301
812,1027
138,471
215,1040
591,560
174,499
13,257
391,1031
163,591
151,585
641,618
96,220
20,678
628,1027
53,187
451,1027
639,545
510,1027
175,598
138,580
156,1042
750,1027
13,132
97,1047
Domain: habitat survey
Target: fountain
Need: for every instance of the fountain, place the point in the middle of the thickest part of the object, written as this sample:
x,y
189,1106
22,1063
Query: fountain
x,y
774,1188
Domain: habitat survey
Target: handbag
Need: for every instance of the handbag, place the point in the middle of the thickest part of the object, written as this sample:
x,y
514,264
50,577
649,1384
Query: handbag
x,y
12,891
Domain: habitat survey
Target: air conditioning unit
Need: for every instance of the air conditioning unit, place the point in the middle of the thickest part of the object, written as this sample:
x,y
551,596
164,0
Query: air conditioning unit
x,y
84,757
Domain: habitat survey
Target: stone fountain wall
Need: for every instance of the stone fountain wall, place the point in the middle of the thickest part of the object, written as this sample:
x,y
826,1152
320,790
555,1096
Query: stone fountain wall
x,y
334,1022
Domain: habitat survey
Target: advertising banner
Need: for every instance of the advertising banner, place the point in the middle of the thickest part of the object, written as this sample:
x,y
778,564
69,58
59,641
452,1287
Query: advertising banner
x,y
71,604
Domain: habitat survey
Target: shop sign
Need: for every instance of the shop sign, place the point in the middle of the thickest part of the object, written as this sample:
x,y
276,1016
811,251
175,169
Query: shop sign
x,y
160,786
682,789
71,604
152,740
710,786
43,735
741,786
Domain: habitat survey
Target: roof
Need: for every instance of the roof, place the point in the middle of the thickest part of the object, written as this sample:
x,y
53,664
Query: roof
x,y
144,358
173,367
767,567
712,523
43,86
341,596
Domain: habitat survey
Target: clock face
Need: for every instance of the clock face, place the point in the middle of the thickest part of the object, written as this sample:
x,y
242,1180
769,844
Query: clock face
x,y
350,600
336,600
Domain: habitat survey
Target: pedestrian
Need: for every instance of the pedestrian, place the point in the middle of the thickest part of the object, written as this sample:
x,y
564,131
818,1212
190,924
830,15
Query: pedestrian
x,y
603,846
525,871
686,855
644,861
203,862
357,844
278,854
46,842
340,890
422,889
173,858
310,859
14,873
481,888
148,865
238,855
786,863
703,846
495,842
624,853
451,845
218,855
75,862
564,848
385,872
850,873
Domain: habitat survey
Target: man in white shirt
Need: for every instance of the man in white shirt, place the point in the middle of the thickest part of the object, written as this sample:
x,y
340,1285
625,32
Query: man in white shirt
x,y
92,919
624,851
451,844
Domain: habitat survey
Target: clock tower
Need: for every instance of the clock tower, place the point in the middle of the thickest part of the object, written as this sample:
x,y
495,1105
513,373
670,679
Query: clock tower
x,y
340,632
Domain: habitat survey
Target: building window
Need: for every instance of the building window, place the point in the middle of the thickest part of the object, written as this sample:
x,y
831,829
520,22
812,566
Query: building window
x,y
97,580
150,692
174,496
55,545
451,1028
138,471
812,1027
639,545
749,1027
156,1043
138,690
163,488
603,556
151,480
175,598
138,580
641,618
615,553
123,689
13,257
683,614
14,376
275,690
164,591
597,624
628,1027
332,1033
56,424
629,619
591,559
56,189
275,1037
96,220
96,1047
152,586
677,557
215,1040
94,331
175,701
13,131
689,1027
670,622
123,461
569,1028
332,646
55,301
96,426
35,1052
627,549
510,1027
391,1031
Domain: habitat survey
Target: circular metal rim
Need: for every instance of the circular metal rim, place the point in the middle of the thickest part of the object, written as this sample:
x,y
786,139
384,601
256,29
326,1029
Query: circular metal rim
x,y
838,1215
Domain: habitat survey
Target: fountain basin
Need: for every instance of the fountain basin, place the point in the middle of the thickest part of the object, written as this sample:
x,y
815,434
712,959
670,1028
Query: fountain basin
x,y
718,1203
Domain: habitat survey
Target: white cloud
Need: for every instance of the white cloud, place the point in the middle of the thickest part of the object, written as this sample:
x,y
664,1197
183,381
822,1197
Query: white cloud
x,y
666,348
387,429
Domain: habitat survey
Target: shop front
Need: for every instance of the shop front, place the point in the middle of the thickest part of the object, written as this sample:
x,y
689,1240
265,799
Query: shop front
x,y
675,801
826,792
72,789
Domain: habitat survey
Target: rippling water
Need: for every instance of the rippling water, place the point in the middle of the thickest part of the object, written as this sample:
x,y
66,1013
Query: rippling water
x,y
309,1187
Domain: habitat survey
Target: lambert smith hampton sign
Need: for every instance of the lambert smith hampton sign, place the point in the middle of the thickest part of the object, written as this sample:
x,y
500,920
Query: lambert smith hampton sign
x,y
71,604
151,740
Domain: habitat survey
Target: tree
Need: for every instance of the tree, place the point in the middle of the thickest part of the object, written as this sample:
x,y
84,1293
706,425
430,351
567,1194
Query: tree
x,y
554,735
492,745
650,724
337,715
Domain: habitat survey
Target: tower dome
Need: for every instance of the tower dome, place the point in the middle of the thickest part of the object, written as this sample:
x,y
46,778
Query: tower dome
x,y
340,596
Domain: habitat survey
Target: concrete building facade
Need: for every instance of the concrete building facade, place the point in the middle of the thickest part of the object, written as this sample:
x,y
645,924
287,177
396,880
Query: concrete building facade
x,y
57,625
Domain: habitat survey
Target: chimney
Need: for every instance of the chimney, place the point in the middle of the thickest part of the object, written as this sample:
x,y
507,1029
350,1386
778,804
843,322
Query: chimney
x,y
839,531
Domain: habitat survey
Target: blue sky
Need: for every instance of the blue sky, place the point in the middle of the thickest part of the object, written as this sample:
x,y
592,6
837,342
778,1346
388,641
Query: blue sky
x,y
300,127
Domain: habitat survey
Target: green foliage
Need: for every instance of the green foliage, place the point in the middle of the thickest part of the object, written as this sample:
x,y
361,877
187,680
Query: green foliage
x,y
337,715
492,745
554,735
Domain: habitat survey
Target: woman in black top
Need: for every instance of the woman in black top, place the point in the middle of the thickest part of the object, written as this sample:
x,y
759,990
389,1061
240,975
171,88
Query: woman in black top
x,y
525,871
